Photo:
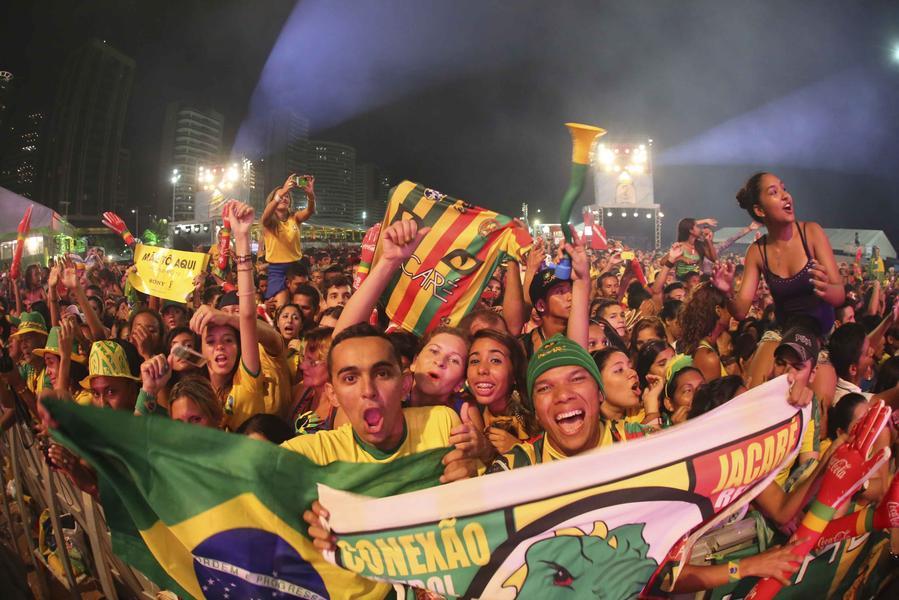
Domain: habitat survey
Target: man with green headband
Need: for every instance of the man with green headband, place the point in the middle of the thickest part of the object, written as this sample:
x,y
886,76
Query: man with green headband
x,y
566,388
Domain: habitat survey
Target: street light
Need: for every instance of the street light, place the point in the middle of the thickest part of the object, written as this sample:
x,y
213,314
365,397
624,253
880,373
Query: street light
x,y
176,177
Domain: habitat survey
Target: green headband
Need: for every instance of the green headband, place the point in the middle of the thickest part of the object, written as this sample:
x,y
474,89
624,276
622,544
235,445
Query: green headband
x,y
559,351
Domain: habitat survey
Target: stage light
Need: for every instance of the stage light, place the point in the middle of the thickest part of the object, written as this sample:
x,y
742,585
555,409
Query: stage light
x,y
608,213
896,52
636,214
623,214
661,215
648,215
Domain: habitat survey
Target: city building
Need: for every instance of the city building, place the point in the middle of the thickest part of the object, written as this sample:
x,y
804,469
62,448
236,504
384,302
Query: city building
x,y
285,140
124,172
22,154
371,191
191,138
83,148
6,98
333,166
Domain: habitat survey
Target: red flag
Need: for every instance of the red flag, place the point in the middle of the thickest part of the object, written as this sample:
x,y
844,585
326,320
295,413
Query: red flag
x,y
596,231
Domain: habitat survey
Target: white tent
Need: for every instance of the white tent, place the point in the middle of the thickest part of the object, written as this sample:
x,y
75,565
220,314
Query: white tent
x,y
43,220
843,241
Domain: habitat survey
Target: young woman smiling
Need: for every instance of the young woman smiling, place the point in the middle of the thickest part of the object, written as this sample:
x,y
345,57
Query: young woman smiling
x,y
496,378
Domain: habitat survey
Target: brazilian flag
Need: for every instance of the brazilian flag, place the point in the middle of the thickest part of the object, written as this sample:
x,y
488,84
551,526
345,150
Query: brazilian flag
x,y
209,514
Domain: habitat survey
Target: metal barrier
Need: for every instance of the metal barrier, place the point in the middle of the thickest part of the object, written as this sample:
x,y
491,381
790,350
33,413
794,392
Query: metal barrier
x,y
106,575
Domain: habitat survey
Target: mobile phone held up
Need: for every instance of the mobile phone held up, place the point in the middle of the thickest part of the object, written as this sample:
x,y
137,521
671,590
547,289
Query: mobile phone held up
x,y
301,181
192,357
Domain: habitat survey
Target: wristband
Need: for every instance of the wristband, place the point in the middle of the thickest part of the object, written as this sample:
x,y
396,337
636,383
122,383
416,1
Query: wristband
x,y
146,402
733,570
243,258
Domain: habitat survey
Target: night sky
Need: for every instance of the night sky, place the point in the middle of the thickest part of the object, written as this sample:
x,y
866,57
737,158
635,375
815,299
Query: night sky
x,y
469,97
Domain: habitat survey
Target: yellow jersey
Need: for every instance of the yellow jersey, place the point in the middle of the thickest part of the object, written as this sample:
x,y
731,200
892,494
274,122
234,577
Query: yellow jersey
x,y
426,428
245,398
283,244
277,387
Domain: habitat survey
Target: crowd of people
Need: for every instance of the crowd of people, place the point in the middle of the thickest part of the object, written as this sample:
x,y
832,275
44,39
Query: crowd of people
x,y
282,347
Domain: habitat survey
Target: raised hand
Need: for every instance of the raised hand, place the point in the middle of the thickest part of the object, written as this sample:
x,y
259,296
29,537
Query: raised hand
x,y
155,374
675,252
66,336
309,188
289,183
70,277
580,265
400,240
115,222
468,438
241,216
723,277
224,239
206,316
536,256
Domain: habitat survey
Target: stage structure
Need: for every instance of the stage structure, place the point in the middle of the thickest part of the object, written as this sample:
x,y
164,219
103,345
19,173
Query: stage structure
x,y
624,203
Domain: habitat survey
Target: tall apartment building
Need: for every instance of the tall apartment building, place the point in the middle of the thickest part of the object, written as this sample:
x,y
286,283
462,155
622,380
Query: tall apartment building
x,y
191,139
83,148
371,190
22,154
285,150
333,166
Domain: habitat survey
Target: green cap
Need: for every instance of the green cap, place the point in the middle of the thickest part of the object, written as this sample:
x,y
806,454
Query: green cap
x,y
31,322
52,347
675,365
559,351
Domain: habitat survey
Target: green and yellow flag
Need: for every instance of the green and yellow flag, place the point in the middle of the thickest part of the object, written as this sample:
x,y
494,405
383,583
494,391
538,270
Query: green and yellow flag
x,y
445,276
209,514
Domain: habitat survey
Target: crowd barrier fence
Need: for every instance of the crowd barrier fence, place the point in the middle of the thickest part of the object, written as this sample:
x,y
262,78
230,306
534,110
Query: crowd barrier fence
x,y
35,489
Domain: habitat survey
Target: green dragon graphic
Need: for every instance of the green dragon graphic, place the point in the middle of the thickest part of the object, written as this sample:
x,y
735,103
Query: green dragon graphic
x,y
611,565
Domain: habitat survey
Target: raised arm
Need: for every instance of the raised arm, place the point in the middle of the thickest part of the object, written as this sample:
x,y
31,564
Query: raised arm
x,y
53,294
514,312
242,216
397,243
579,317
534,260
309,189
268,214
739,302
658,284
70,280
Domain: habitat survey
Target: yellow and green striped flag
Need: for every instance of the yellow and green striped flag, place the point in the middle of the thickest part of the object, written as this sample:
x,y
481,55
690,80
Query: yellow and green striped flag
x,y
444,277
209,514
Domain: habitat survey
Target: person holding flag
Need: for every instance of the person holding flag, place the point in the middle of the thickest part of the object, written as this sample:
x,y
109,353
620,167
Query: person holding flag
x,y
281,231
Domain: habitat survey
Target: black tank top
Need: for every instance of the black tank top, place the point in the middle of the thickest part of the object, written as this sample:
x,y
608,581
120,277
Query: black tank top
x,y
796,295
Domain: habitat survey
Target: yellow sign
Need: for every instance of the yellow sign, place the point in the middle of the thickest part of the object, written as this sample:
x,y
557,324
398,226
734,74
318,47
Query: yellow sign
x,y
166,273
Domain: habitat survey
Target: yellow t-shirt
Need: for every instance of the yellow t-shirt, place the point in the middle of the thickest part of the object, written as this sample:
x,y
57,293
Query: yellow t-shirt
x,y
245,398
81,397
427,428
276,383
282,245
